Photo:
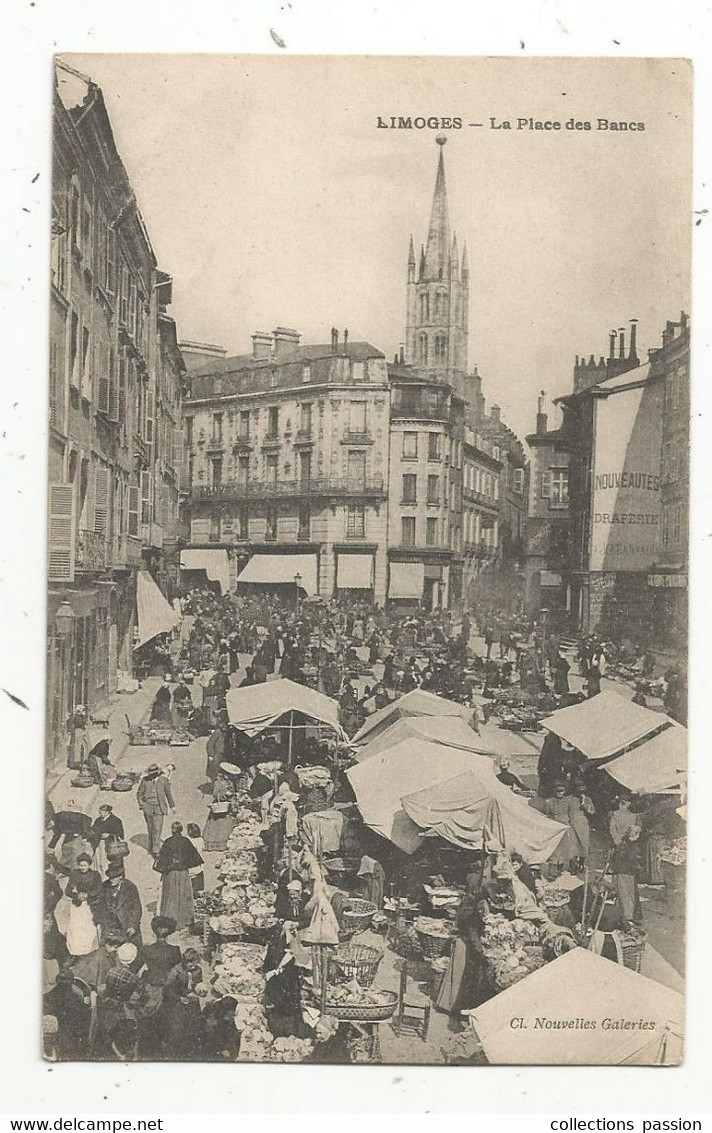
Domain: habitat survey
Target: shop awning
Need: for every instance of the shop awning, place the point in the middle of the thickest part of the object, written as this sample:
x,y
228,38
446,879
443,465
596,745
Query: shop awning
x,y
354,572
451,792
451,731
657,764
582,985
213,562
256,707
272,569
604,725
155,614
406,580
415,703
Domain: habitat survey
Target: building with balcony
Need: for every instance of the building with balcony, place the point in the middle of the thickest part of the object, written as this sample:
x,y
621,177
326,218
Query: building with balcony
x,y
286,459
113,408
482,471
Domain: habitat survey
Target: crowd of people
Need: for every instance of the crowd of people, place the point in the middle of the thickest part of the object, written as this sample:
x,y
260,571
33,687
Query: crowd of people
x,y
112,994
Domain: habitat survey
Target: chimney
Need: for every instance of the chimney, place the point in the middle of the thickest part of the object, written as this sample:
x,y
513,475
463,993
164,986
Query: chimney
x,y
401,353
621,342
346,337
612,350
285,339
541,417
261,344
334,340
495,413
632,352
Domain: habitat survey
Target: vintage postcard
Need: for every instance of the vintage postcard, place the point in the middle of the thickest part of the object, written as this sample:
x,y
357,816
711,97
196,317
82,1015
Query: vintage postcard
x,y
369,409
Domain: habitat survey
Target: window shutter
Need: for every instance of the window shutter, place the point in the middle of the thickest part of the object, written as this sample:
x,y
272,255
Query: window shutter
x,y
113,385
133,510
145,498
545,486
122,415
101,501
110,260
61,533
103,382
150,401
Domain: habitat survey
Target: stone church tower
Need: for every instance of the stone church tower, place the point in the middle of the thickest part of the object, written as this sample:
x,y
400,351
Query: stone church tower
x,y
438,296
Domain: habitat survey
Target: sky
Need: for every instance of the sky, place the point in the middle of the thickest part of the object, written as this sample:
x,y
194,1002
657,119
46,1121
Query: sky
x,y
273,199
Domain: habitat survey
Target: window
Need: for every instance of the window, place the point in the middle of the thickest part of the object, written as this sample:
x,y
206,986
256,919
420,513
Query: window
x,y
59,250
431,531
111,260
244,433
666,527
358,371
124,301
495,485
355,521
356,469
189,431
306,375
243,521
271,470
487,484
305,418
304,468
559,491
304,523
214,529
357,416
434,446
217,433
425,308
440,348
74,378
423,349
87,228
410,446
271,525
216,471
676,525
146,515
410,482
86,364
433,489
408,530
518,483
243,470
74,215
273,421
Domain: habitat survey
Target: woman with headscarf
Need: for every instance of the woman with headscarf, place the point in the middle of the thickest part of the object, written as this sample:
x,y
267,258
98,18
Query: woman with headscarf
x,y
371,880
175,858
466,982
220,822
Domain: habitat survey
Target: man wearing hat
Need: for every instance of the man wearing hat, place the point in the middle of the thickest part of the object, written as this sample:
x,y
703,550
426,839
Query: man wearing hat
x,y
155,800
122,903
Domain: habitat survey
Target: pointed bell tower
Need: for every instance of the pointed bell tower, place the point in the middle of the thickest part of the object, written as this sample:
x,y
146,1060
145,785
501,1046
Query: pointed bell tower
x,y
438,293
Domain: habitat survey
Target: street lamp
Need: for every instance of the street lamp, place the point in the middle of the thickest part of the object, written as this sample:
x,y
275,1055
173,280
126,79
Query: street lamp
x,y
297,584
64,618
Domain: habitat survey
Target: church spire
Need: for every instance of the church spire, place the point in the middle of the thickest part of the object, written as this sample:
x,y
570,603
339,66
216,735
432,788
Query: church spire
x,y
465,269
411,253
437,249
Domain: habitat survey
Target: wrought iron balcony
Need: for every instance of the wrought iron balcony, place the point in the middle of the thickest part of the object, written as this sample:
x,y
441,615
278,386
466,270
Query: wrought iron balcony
x,y
419,412
356,437
126,552
245,491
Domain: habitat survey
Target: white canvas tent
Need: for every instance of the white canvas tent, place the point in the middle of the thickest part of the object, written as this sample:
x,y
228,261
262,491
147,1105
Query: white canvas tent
x,y
155,615
256,707
213,560
451,731
604,725
573,1011
281,569
418,787
655,765
415,703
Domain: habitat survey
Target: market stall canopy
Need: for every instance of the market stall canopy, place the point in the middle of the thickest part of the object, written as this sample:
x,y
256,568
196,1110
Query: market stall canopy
x,y
256,707
406,580
272,569
581,987
451,731
415,703
605,724
453,793
213,561
655,765
155,614
354,572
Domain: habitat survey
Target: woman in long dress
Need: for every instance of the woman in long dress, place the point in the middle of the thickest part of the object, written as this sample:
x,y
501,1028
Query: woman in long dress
x,y
466,983
220,821
176,857
82,934
566,809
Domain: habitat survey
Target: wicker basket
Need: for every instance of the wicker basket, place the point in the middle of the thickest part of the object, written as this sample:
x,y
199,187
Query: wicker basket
x,y
357,915
356,962
632,948
433,946
366,1012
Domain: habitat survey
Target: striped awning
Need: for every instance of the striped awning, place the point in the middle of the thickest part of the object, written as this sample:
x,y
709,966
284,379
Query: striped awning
x,y
354,572
281,569
154,612
406,580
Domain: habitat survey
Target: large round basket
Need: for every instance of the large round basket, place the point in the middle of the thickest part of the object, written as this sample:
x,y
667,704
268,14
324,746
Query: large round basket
x,y
357,914
122,783
433,946
364,1012
355,962
632,948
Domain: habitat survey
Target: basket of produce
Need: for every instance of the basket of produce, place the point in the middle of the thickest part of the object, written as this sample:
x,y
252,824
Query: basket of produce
x,y
356,962
354,1003
632,945
357,915
123,782
340,870
434,936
